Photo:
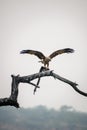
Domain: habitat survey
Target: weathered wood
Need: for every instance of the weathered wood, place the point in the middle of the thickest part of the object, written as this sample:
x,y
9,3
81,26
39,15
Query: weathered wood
x,y
12,100
8,102
41,70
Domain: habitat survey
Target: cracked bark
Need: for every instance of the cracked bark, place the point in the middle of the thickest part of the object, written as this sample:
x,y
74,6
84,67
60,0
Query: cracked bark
x,y
12,99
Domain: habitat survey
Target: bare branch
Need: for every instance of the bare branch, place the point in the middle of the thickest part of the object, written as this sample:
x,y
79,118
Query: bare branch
x,y
29,78
8,101
12,100
41,70
34,85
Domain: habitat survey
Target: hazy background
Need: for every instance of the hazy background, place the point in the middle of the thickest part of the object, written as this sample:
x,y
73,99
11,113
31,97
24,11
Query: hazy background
x,y
44,25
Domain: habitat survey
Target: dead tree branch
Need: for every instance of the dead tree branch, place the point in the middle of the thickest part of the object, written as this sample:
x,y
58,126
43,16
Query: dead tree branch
x,y
12,100
41,70
8,101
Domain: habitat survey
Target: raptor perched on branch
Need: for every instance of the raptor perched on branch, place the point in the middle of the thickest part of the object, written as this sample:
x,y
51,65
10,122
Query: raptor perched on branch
x,y
45,60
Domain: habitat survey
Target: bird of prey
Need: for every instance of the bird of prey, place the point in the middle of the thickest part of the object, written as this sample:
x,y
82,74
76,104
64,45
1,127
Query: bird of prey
x,y
45,60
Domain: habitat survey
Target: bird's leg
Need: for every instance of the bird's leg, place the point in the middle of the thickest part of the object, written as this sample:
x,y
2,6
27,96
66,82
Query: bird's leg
x,y
48,66
45,67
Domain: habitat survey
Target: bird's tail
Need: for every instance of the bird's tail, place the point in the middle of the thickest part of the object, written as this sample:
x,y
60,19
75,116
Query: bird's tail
x,y
24,51
68,50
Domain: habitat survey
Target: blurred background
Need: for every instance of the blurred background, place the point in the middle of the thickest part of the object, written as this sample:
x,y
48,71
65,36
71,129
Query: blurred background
x,y
46,26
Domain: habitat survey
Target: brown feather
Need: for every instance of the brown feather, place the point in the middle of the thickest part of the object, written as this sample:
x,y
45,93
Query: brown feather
x,y
40,55
58,52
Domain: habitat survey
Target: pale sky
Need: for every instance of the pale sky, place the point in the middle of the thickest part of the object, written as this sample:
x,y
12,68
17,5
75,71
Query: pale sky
x,y
44,25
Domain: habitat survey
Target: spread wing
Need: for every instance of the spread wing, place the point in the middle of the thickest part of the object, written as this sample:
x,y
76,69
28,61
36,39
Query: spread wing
x,y
58,52
40,55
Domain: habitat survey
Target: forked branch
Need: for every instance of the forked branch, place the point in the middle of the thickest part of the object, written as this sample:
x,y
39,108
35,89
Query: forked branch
x,y
12,100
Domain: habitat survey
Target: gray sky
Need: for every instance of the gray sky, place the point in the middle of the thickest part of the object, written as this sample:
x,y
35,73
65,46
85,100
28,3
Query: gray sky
x,y
44,25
